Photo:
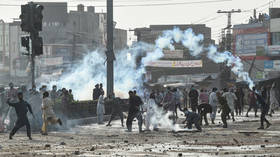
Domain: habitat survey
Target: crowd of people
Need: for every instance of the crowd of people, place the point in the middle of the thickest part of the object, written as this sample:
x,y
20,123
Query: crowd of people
x,y
41,103
196,105
148,109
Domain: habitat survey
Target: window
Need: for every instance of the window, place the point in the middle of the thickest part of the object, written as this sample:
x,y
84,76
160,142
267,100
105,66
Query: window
x,y
276,38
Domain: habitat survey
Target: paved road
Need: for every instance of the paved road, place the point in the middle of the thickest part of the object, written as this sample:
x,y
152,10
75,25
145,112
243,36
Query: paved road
x,y
240,139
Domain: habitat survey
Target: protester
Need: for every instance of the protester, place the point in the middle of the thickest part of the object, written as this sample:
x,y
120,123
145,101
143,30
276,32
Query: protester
x,y
71,96
100,110
192,118
54,94
134,111
169,103
177,98
252,102
203,110
96,93
224,108
231,98
115,104
150,109
264,110
158,98
213,101
12,96
273,99
203,97
240,101
193,95
21,107
48,113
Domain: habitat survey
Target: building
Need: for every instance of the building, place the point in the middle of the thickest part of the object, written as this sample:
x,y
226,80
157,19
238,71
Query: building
x,y
178,65
67,36
258,45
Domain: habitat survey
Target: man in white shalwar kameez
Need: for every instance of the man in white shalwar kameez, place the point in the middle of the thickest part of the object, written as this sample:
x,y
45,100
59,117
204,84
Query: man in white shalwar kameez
x,y
230,97
150,115
48,113
100,110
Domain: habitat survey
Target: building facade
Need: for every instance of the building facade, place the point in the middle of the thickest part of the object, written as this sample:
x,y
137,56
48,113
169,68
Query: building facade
x,y
67,36
178,65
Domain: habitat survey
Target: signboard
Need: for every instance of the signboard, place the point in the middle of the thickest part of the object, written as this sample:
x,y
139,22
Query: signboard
x,y
268,64
272,65
275,25
259,75
246,44
276,65
52,61
173,54
273,50
176,64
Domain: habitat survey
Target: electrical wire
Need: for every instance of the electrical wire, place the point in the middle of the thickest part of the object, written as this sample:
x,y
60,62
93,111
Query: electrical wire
x,y
139,5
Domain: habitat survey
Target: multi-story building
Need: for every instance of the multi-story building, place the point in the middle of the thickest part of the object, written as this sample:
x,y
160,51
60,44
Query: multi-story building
x,y
178,65
66,36
257,44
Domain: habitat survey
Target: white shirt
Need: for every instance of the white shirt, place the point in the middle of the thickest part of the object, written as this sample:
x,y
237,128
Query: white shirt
x,y
213,100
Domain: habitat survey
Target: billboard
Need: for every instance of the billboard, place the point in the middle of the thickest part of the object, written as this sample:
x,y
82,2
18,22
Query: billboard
x,y
52,61
246,44
273,50
272,65
176,64
173,54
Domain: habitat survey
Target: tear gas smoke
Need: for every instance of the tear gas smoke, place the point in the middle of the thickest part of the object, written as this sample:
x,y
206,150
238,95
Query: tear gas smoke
x,y
160,118
92,70
129,75
193,43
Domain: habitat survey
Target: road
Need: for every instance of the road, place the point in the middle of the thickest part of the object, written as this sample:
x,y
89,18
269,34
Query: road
x,y
240,139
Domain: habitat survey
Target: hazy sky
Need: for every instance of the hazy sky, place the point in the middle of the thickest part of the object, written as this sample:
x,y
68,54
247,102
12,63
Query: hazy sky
x,y
130,17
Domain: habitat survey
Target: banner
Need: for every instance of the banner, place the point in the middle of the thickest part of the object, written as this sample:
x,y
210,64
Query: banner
x,y
176,64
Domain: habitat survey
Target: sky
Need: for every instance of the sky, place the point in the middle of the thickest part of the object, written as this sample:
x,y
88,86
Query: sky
x,y
128,16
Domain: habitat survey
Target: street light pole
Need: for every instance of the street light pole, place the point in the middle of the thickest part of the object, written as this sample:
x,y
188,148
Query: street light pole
x,y
110,51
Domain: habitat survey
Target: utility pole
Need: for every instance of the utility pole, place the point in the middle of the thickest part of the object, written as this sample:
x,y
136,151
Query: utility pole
x,y
227,41
74,43
228,28
110,46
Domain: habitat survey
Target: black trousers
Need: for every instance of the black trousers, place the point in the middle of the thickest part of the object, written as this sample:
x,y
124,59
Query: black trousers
x,y
114,114
196,124
21,122
238,107
203,115
254,106
263,119
131,116
194,104
224,116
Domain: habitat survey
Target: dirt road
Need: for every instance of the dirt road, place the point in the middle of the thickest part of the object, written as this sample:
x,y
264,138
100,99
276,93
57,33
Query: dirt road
x,y
240,139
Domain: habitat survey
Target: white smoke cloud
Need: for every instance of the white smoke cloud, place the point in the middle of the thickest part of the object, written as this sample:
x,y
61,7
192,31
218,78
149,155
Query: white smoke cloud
x,y
194,43
129,75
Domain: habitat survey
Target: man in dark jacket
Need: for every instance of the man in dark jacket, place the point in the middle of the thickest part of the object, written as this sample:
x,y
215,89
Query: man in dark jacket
x,y
96,93
192,118
224,108
115,104
203,109
21,107
134,111
264,110
193,95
